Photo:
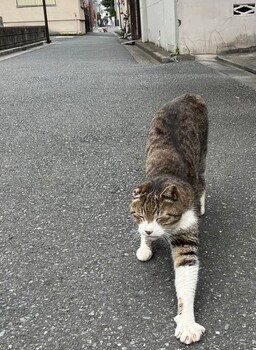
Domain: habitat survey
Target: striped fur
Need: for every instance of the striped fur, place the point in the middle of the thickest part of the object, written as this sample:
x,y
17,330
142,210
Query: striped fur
x,y
167,204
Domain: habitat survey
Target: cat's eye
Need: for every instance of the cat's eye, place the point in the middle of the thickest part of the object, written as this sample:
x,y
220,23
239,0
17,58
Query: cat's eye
x,y
138,217
168,218
164,216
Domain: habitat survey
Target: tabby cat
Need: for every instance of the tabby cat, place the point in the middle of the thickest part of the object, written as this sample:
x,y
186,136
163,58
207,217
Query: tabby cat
x,y
167,204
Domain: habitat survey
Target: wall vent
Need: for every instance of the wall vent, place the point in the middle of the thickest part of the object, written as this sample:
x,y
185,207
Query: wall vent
x,y
243,9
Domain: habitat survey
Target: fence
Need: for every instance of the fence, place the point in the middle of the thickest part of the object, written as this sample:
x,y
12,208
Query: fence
x,y
19,36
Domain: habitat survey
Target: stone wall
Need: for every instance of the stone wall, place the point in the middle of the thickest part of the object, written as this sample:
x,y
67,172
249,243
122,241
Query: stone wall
x,y
19,36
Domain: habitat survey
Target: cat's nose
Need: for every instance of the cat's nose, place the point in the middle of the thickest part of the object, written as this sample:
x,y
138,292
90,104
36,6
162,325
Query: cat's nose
x,y
148,232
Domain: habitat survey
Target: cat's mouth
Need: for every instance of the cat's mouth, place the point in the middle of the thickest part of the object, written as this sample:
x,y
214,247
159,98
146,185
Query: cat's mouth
x,y
152,238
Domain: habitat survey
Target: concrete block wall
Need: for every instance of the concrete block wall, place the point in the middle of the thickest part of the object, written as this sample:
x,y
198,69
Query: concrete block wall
x,y
199,26
210,27
19,36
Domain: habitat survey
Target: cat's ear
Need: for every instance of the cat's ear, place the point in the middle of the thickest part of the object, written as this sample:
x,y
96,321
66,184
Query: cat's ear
x,y
139,191
170,193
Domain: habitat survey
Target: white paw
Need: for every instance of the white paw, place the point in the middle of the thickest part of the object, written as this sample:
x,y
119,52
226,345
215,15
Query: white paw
x,y
188,332
202,210
144,253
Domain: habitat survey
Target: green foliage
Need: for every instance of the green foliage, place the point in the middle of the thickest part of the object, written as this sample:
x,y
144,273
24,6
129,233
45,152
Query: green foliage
x,y
109,4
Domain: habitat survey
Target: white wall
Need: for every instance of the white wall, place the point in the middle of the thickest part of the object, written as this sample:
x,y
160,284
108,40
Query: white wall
x,y
210,27
158,23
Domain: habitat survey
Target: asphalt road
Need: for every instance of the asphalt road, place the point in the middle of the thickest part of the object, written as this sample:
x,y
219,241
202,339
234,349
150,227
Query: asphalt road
x,y
74,118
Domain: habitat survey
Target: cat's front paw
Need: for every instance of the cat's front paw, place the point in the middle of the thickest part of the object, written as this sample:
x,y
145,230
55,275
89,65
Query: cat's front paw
x,y
144,253
188,332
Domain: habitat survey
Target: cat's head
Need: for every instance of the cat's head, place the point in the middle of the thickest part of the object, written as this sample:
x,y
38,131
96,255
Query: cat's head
x,y
162,206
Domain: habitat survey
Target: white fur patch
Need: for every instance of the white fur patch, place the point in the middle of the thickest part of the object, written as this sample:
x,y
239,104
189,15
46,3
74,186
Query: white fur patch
x,y
187,220
153,227
185,282
188,331
202,202
144,252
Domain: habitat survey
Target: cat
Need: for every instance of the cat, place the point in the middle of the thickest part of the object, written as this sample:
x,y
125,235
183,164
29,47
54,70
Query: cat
x,y
172,197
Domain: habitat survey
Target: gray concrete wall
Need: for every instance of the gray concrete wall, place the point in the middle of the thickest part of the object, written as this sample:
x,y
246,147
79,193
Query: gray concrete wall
x,y
212,27
19,36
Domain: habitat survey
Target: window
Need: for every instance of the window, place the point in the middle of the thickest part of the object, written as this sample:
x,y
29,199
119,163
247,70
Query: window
x,y
34,3
243,9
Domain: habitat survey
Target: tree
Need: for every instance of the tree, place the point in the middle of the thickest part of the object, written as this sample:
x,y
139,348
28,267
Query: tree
x,y
109,4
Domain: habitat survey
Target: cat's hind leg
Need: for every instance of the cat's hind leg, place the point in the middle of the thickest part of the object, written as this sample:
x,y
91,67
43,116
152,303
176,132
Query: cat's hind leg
x,y
201,187
144,252
202,203
201,178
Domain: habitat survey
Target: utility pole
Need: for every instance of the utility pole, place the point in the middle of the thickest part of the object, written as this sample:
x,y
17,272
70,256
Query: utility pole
x,y
135,18
46,23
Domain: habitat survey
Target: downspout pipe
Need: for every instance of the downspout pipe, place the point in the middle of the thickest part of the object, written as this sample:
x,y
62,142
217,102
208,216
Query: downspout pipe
x,y
144,20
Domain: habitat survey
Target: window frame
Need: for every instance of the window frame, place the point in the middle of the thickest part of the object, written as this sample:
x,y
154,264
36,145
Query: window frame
x,y
37,3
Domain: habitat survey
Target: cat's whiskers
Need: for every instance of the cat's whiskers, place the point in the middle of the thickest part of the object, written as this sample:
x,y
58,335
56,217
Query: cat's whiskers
x,y
168,233
169,237
165,239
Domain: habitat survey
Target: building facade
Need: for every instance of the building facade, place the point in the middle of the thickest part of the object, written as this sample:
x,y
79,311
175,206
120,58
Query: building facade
x,y
199,26
64,16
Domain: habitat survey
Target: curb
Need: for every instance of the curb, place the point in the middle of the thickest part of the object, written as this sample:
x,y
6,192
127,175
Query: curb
x,y
20,48
156,52
160,54
248,68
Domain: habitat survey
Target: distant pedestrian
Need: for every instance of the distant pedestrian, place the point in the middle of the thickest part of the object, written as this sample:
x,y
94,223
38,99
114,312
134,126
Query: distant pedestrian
x,y
105,23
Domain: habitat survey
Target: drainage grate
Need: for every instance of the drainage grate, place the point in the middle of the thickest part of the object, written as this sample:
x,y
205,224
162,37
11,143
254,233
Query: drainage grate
x,y
243,9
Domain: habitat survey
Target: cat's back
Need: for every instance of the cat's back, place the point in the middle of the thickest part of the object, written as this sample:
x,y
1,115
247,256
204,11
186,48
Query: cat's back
x,y
183,112
178,131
